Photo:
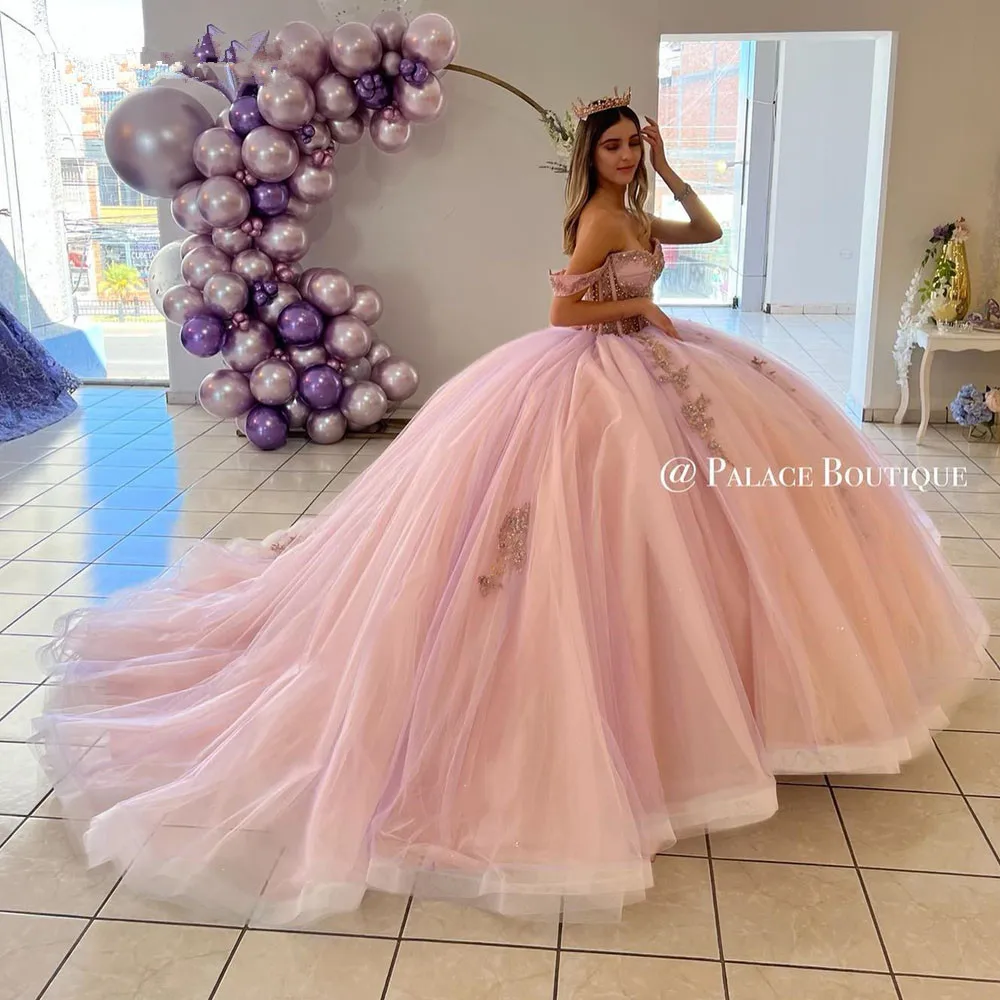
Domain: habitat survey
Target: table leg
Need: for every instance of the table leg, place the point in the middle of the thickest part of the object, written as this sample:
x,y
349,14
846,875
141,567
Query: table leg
x,y
925,392
904,402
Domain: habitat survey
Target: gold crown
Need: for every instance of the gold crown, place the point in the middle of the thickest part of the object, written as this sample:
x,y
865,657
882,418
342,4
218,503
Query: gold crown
x,y
616,100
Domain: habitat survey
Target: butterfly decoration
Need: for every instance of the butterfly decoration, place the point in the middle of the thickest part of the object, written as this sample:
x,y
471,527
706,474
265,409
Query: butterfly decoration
x,y
990,317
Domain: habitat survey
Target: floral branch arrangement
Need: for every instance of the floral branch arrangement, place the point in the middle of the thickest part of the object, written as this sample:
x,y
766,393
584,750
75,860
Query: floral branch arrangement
x,y
944,270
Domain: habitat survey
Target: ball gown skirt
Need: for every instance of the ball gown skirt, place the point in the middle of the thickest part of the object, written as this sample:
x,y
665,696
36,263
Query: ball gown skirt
x,y
508,666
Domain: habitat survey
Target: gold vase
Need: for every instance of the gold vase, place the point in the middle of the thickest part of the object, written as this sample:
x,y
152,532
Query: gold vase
x,y
959,291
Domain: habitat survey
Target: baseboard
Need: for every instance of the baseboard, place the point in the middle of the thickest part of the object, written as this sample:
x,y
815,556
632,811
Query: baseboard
x,y
810,308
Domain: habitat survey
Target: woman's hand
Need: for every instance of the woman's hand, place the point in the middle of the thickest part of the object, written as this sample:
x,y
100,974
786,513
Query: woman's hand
x,y
655,316
657,154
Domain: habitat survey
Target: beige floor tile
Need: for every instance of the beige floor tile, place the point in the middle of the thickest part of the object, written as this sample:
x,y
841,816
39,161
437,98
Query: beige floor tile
x,y
275,966
255,526
944,989
431,971
64,547
303,482
980,712
380,915
969,552
22,786
8,824
796,915
40,872
985,525
450,922
677,917
917,831
25,576
147,961
953,525
39,518
628,977
19,659
974,759
800,779
806,828
991,609
938,925
690,847
931,500
16,543
993,648
981,581
988,813
759,982
180,523
13,606
277,502
230,480
973,503
31,948
42,618
125,904
208,501
925,774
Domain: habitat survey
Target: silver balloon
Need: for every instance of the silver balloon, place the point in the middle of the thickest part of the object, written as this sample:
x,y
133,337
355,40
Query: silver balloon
x,y
306,277
270,154
224,202
398,379
181,303
217,152
226,394
329,290
302,358
326,426
349,131
287,294
226,294
199,265
346,338
320,140
379,351
313,184
390,63
420,104
195,241
284,239
390,27
391,135
253,265
359,369
302,50
432,39
299,209
336,98
297,413
273,382
184,209
243,350
286,102
165,272
364,404
232,241
355,49
367,304
149,139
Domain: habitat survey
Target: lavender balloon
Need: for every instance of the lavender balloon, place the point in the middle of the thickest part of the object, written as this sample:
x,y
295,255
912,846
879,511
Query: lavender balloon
x,y
199,265
379,351
253,265
202,335
329,290
320,387
420,103
360,369
232,241
243,350
326,426
217,152
364,404
273,382
270,198
225,394
367,304
336,98
355,49
245,116
270,154
302,50
300,323
296,413
349,131
286,102
313,184
398,379
432,39
284,239
226,294
223,202
346,338
390,132
390,27
266,428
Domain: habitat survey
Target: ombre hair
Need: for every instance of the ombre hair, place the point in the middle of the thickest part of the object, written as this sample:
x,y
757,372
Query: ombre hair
x,y
582,180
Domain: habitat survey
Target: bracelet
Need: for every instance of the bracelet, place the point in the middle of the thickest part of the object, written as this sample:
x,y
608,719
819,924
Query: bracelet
x,y
686,192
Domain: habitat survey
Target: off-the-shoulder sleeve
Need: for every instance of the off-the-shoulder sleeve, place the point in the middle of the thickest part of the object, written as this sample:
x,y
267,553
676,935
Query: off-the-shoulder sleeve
x,y
572,284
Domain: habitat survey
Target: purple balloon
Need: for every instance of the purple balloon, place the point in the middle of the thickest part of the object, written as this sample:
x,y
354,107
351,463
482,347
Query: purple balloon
x,y
320,387
301,323
245,116
270,198
202,335
266,428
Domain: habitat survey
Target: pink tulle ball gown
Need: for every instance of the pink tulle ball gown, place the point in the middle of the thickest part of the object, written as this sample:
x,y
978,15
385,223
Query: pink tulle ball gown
x,y
509,665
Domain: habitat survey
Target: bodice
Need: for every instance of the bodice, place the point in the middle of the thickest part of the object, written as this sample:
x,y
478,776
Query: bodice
x,y
625,274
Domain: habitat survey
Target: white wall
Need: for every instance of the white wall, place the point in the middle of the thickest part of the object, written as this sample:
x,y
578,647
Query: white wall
x,y
818,179
459,230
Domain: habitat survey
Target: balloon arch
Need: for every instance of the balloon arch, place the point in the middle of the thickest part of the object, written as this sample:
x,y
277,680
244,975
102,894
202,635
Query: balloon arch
x,y
298,345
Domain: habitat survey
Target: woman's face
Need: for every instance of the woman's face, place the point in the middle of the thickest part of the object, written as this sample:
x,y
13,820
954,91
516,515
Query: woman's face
x,y
618,153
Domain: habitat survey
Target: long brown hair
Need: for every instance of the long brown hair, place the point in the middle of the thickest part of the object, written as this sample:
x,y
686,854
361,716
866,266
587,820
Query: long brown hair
x,y
582,180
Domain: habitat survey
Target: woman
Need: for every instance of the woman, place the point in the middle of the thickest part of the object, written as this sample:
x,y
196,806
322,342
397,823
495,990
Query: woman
x,y
517,659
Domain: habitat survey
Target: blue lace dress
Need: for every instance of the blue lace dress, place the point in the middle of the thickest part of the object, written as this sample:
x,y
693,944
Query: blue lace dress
x,y
34,388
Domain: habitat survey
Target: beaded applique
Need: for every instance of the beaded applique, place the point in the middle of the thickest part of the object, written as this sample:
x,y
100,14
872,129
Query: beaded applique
x,y
759,363
512,548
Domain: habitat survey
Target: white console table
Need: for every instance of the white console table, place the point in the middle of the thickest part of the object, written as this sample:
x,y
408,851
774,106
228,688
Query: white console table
x,y
933,338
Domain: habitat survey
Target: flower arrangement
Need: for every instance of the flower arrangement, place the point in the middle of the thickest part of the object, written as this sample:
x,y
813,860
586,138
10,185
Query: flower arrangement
x,y
943,274
975,410
562,132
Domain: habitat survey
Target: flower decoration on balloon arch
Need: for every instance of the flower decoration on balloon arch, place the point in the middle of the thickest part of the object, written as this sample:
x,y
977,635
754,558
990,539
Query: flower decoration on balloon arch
x,y
298,345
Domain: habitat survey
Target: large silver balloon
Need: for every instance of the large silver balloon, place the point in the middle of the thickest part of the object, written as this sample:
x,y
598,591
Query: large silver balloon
x,y
286,102
390,27
195,241
224,202
184,209
390,134
336,98
318,141
232,241
302,50
270,154
432,39
273,382
299,209
253,265
217,152
199,265
329,290
243,350
313,184
355,49
226,294
284,239
367,304
398,379
420,104
349,131
326,426
226,394
181,303
297,413
346,338
287,294
302,358
364,404
360,369
379,351
165,272
150,137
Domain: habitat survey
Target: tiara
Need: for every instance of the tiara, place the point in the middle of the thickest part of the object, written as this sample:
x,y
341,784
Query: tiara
x,y
616,100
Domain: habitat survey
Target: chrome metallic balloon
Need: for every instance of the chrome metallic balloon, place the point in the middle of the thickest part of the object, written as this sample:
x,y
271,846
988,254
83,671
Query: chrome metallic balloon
x,y
270,154
218,152
390,63
379,351
284,239
355,49
420,104
184,209
232,241
364,404
243,350
346,338
359,369
223,202
318,141
297,413
287,294
390,27
165,271
287,102
329,290
302,50
273,382
398,379
226,294
253,265
299,209
313,184
349,131
390,133
193,242
302,358
336,98
199,265
226,394
326,426
182,302
366,305
432,39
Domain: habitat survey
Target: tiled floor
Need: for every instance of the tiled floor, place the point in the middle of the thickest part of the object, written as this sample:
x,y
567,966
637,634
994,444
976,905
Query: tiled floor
x,y
860,889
